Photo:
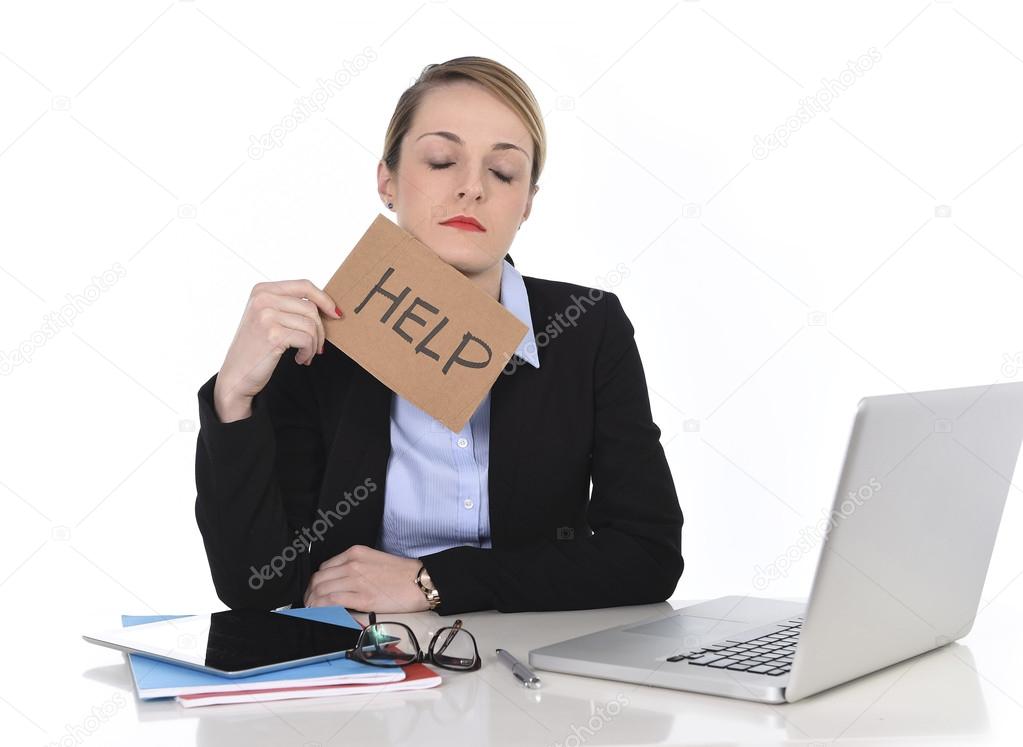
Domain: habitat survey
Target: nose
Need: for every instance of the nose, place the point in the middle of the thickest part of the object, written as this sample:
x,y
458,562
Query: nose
x,y
474,190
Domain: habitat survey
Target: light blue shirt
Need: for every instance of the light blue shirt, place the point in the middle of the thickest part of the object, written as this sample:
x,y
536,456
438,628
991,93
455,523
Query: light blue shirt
x,y
436,494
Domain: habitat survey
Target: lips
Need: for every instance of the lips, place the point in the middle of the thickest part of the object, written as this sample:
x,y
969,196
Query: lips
x,y
465,222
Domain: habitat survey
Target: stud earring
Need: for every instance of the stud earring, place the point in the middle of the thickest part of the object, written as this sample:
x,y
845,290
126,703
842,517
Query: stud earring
x,y
390,205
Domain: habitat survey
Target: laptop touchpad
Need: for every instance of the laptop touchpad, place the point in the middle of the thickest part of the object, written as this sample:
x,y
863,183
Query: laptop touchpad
x,y
677,626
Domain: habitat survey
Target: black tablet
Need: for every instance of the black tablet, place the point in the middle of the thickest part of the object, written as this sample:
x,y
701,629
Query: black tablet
x,y
233,643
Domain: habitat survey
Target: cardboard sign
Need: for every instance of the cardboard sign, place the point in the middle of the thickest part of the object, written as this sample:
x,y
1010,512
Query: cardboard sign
x,y
418,325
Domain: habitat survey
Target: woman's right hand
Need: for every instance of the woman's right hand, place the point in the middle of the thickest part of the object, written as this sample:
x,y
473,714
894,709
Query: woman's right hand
x,y
279,315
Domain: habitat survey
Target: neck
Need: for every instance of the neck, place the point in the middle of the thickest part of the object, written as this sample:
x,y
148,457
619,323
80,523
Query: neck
x,y
489,280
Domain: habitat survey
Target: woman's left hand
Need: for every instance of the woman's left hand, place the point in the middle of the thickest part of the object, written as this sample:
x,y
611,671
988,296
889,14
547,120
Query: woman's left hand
x,y
365,579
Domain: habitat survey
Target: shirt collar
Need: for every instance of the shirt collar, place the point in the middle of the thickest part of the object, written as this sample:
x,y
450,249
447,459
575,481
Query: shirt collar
x,y
515,299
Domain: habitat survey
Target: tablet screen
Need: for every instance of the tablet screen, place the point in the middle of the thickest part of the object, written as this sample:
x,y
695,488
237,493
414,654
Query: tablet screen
x,y
234,640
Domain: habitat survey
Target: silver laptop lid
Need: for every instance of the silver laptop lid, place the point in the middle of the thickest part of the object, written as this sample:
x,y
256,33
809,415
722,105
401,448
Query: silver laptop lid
x,y
911,530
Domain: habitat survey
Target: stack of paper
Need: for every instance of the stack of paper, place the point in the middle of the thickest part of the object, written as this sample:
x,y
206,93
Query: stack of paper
x,y
417,677
190,687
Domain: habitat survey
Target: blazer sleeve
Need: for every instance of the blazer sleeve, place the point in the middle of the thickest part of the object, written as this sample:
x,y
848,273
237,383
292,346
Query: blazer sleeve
x,y
633,555
257,481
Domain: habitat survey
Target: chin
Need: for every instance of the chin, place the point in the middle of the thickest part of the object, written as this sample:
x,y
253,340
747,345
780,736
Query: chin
x,y
469,260
466,267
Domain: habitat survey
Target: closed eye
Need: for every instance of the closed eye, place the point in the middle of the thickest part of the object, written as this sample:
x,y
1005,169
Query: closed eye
x,y
498,174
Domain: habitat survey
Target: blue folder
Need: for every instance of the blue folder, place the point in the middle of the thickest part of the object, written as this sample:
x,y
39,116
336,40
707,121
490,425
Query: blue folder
x,y
161,679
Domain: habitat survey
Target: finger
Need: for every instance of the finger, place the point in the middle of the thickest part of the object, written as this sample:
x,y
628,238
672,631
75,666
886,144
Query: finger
x,y
296,331
346,599
305,289
325,574
346,585
302,323
342,596
304,307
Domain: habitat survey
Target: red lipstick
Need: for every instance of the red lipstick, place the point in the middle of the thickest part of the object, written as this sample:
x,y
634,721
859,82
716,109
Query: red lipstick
x,y
465,222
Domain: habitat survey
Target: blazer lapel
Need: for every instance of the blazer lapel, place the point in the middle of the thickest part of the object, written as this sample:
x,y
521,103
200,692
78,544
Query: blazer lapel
x,y
513,403
363,447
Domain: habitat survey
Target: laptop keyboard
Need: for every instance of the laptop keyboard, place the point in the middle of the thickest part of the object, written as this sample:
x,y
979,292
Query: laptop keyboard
x,y
769,654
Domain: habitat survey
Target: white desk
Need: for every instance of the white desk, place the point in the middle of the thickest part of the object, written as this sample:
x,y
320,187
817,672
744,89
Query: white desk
x,y
935,697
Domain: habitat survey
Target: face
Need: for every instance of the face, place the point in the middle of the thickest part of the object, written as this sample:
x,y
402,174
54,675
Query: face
x,y
479,168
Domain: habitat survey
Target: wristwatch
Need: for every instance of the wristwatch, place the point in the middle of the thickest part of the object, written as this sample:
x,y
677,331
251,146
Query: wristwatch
x,y
426,586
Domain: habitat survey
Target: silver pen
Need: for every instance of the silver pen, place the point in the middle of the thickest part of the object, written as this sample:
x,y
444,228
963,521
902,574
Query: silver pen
x,y
522,673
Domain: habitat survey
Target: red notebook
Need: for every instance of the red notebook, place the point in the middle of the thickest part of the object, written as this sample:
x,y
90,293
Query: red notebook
x,y
417,677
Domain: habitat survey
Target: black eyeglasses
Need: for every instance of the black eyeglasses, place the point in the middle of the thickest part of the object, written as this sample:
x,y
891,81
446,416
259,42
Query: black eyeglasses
x,y
393,644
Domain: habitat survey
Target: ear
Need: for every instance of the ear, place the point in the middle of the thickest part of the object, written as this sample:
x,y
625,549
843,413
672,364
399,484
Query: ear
x,y
529,203
386,183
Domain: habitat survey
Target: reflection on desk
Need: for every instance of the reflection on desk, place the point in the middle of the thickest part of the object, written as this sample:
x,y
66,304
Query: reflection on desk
x,y
936,695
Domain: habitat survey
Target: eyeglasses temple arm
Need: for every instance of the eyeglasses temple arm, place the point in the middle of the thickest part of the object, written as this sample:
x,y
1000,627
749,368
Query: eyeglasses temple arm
x,y
454,631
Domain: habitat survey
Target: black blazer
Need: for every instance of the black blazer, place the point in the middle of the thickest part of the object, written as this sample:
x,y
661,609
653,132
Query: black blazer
x,y
318,431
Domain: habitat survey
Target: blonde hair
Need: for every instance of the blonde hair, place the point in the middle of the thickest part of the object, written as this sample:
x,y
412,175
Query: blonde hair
x,y
494,77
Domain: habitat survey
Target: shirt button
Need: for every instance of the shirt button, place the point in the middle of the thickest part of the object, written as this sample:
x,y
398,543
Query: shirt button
x,y
463,442
467,503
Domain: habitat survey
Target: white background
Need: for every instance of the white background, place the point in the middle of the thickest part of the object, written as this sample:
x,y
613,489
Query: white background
x,y
878,251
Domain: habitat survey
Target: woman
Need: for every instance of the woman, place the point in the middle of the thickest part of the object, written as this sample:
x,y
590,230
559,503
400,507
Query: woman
x,y
317,485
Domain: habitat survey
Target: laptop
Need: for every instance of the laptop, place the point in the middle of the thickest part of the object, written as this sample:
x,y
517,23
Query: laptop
x,y
905,550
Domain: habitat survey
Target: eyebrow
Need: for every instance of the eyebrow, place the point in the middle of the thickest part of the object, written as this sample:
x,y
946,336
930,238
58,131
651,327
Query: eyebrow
x,y
455,139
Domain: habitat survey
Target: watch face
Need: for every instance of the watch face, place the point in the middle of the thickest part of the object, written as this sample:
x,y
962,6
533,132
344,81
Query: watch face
x,y
426,585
